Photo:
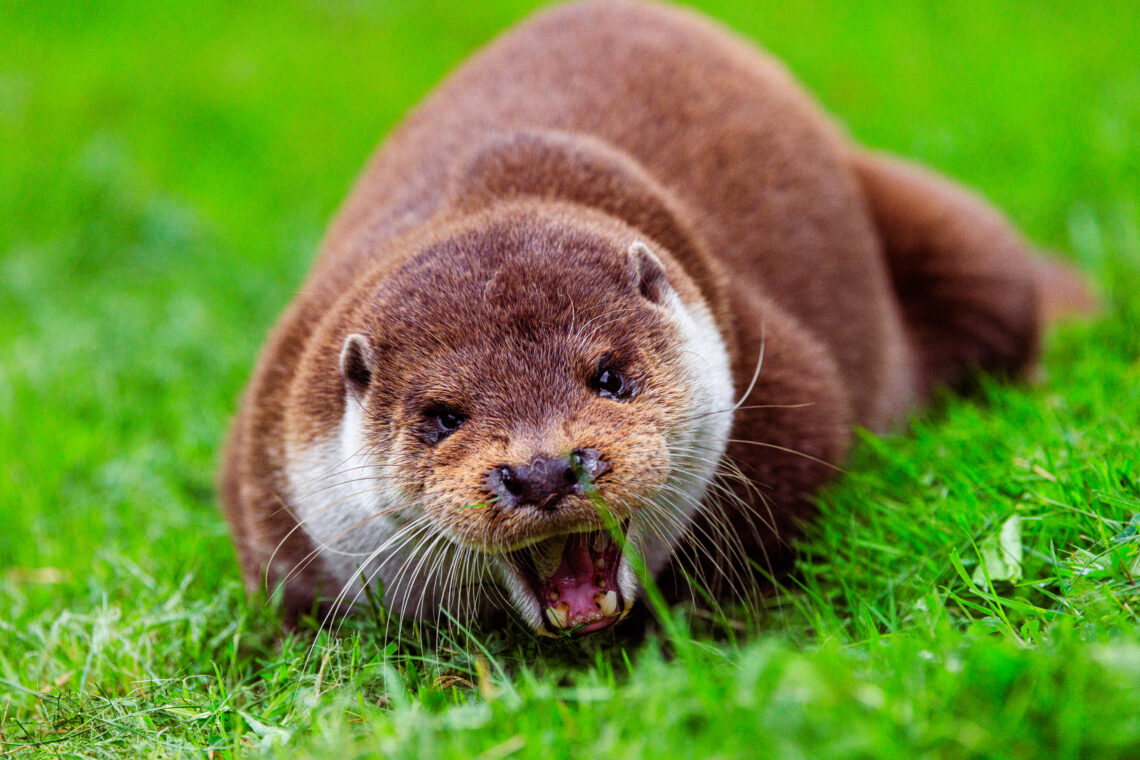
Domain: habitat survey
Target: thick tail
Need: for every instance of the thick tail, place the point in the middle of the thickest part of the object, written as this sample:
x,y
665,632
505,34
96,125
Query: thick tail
x,y
974,295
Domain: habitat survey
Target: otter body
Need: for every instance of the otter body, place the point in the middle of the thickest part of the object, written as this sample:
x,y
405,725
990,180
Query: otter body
x,y
614,254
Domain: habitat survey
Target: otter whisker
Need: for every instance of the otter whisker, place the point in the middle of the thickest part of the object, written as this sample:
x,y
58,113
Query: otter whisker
x,y
694,527
342,483
446,553
725,470
305,561
408,578
746,509
729,469
335,467
334,610
393,544
759,363
326,545
289,509
720,556
702,415
391,589
714,493
787,450
684,541
455,585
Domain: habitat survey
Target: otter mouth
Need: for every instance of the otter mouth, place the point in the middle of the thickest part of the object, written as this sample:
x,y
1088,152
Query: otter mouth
x,y
574,577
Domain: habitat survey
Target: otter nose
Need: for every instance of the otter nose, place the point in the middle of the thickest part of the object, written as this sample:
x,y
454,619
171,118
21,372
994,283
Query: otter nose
x,y
545,480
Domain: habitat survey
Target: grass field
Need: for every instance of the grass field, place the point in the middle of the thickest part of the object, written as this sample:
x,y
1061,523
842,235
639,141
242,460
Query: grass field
x,y
166,172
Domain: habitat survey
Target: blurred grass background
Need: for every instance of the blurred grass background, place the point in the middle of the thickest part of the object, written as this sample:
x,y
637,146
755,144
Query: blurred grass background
x,y
166,172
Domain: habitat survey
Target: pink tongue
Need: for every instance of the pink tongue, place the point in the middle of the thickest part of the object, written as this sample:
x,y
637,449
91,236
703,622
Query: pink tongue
x,y
574,578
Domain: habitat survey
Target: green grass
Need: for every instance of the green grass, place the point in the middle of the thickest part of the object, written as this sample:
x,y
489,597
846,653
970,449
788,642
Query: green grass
x,y
165,176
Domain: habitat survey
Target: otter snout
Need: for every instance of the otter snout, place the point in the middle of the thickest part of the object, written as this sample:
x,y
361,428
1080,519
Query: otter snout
x,y
544,481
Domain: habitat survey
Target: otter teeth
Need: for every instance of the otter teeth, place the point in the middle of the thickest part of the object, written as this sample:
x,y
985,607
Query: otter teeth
x,y
601,539
606,602
559,615
547,555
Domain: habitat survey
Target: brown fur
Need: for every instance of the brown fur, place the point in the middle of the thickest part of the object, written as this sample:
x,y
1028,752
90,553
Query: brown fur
x,y
865,281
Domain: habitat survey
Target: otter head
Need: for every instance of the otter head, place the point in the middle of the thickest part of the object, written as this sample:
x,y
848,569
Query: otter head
x,y
544,399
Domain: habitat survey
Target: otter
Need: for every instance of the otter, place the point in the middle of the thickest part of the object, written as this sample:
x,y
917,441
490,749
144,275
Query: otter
x,y
616,290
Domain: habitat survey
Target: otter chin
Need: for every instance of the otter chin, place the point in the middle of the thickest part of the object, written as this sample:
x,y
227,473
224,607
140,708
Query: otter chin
x,y
614,296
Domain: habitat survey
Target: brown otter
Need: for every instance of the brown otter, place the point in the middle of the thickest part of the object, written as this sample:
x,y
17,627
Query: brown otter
x,y
614,253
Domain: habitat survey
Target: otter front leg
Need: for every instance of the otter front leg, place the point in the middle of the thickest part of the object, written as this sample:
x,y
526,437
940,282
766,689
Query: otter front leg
x,y
967,283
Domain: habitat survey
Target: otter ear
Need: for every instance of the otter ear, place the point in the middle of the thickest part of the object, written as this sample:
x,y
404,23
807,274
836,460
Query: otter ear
x,y
356,363
648,273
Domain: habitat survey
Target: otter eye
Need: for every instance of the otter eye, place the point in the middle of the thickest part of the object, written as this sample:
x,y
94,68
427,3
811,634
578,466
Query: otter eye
x,y
442,422
609,383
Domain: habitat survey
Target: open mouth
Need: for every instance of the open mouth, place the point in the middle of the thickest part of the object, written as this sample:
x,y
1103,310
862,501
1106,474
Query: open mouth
x,y
574,576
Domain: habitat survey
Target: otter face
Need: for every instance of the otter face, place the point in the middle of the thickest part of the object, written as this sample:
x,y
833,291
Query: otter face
x,y
517,385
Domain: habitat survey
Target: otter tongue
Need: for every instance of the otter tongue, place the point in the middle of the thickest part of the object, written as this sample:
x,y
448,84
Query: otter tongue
x,y
575,577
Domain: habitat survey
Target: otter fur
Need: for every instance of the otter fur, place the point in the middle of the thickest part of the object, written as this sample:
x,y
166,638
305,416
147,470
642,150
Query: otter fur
x,y
618,257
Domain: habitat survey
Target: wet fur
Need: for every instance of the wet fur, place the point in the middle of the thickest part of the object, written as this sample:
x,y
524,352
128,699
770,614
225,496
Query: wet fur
x,y
502,213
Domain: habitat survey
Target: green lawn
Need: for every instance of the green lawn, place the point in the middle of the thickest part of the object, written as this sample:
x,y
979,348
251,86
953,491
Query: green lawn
x,y
165,176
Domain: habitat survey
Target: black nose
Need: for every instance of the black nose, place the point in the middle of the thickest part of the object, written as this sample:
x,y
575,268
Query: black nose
x,y
545,480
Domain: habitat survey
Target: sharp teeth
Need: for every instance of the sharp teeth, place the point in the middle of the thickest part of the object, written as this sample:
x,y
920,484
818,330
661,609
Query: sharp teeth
x,y
599,563
606,602
547,555
559,615
601,540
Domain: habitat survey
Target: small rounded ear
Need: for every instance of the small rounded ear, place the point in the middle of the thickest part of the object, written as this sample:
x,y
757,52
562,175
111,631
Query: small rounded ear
x,y
648,273
356,362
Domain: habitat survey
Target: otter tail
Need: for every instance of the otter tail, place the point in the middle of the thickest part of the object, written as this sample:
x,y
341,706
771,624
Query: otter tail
x,y
973,295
